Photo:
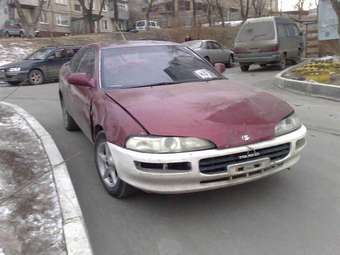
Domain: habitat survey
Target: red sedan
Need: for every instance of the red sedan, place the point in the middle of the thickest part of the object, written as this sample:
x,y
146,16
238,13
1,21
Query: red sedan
x,y
165,120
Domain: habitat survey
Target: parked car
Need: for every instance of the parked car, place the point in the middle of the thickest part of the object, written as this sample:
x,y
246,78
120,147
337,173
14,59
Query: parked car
x,y
164,120
41,66
211,51
268,40
141,25
12,28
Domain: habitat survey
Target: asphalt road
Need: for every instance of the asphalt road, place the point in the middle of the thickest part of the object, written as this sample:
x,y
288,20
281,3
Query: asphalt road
x,y
295,212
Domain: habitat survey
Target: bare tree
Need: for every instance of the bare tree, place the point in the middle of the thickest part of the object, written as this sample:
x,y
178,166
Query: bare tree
x,y
194,13
244,8
29,26
299,7
336,7
220,10
148,11
115,12
88,16
259,6
210,7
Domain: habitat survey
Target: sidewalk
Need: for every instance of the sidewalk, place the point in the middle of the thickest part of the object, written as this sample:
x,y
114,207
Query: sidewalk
x,y
38,214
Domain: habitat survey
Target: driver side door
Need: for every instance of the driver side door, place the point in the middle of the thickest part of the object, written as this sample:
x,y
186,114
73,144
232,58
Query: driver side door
x,y
81,97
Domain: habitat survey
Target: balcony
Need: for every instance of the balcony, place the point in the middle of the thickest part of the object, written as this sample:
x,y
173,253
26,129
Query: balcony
x,y
29,3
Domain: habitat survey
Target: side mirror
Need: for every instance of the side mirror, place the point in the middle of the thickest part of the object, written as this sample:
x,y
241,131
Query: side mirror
x,y
51,57
81,80
219,67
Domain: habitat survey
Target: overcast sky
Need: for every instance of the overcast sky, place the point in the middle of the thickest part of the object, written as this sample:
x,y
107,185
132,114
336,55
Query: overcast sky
x,y
288,5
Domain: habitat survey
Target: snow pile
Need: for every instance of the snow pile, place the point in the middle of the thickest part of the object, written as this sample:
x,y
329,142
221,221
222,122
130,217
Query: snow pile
x,y
14,52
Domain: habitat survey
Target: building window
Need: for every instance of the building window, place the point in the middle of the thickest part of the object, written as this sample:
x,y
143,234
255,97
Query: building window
x,y
62,20
43,18
77,7
105,25
105,7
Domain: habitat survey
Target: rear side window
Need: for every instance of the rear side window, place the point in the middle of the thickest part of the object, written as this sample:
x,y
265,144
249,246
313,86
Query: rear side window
x,y
257,31
282,31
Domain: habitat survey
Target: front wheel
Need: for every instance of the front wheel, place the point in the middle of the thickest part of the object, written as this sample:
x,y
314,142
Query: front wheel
x,y
283,62
35,77
106,168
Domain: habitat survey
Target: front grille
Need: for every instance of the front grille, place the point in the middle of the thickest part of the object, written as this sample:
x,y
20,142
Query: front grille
x,y
220,164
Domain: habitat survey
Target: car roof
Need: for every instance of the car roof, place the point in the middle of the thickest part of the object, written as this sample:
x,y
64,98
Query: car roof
x,y
270,18
140,43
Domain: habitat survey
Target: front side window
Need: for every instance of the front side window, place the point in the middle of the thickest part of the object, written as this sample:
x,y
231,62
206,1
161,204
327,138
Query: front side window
x,y
87,62
153,65
256,31
140,23
41,54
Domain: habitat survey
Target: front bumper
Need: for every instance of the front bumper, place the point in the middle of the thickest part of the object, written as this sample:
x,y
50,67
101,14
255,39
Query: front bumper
x,y
193,180
13,76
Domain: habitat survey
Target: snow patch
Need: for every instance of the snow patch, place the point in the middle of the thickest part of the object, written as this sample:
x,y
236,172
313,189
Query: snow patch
x,y
14,52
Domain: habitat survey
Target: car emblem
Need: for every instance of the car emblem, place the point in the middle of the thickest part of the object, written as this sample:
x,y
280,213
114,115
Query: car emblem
x,y
245,137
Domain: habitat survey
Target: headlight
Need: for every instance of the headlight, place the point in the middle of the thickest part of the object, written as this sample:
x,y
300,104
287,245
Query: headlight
x,y
14,69
167,144
287,125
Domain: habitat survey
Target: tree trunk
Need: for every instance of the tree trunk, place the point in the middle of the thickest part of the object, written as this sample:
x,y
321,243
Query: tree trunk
x,y
244,9
220,11
194,16
336,7
147,15
29,27
116,13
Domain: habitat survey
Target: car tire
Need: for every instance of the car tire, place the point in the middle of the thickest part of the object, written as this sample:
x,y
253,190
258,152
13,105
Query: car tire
x,y
263,65
21,35
229,62
106,169
68,121
244,67
7,35
36,77
283,62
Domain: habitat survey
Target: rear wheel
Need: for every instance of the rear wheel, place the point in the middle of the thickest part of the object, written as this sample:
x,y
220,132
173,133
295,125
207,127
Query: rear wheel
x,y
283,62
7,34
244,67
21,34
107,171
36,77
229,62
263,65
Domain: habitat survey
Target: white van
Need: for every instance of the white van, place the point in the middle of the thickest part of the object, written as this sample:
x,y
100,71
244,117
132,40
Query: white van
x,y
141,25
268,40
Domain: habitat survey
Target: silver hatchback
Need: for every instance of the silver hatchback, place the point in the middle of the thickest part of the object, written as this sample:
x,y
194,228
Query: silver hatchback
x,y
268,40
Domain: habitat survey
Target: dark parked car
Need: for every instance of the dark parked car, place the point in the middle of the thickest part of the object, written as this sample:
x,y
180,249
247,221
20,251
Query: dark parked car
x,y
39,67
164,120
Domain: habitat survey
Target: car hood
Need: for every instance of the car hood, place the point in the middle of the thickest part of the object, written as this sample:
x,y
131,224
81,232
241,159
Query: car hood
x,y
223,112
25,63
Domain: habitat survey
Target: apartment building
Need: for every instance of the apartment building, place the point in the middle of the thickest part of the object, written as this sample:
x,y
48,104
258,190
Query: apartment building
x,y
179,12
60,17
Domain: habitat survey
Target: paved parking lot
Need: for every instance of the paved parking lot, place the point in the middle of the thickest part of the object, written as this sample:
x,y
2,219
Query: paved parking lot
x,y
295,212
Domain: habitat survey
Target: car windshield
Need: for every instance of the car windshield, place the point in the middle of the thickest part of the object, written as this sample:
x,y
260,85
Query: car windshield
x,y
153,66
140,23
257,31
40,54
193,44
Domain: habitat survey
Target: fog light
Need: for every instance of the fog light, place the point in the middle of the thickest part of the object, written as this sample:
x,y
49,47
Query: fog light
x,y
300,143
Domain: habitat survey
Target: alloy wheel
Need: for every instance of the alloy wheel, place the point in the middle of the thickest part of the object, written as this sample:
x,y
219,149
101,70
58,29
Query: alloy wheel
x,y
36,77
106,165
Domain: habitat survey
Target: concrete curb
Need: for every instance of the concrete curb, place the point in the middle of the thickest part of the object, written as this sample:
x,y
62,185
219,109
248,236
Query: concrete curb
x,y
314,89
75,233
